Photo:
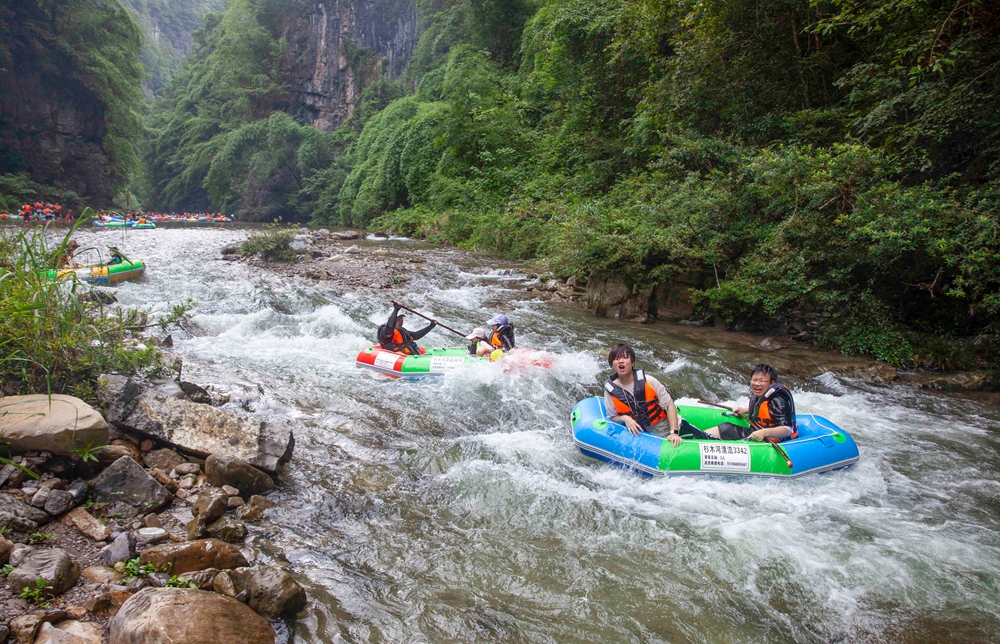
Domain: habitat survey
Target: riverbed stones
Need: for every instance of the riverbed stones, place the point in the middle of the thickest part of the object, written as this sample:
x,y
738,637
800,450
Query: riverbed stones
x,y
18,515
194,555
254,508
196,428
6,547
227,529
53,565
86,524
59,502
70,632
151,535
121,549
272,592
125,482
163,459
102,575
54,423
201,578
174,615
222,470
39,498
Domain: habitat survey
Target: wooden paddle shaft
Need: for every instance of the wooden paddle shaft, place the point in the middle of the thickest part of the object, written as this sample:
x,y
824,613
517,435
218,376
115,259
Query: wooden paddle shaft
x,y
443,326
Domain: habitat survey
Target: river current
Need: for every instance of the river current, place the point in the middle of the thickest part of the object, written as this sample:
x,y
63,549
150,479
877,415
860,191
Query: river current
x,y
457,509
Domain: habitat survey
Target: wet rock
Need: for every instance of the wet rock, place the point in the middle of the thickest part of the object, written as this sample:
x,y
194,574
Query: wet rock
x,y
86,524
194,555
200,578
222,470
124,482
163,459
130,447
19,553
6,547
223,584
146,446
196,393
70,632
174,615
272,591
196,428
254,509
164,479
151,535
187,468
121,549
59,502
4,632
24,627
19,515
102,575
111,453
57,423
230,490
79,490
235,502
108,601
40,497
227,529
212,504
54,565
345,235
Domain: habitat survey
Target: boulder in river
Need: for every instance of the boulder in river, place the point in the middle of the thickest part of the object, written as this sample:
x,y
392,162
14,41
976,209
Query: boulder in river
x,y
222,470
196,428
128,486
194,555
272,592
172,615
53,565
53,423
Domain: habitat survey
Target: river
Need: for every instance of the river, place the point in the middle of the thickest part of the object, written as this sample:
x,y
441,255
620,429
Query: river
x,y
458,509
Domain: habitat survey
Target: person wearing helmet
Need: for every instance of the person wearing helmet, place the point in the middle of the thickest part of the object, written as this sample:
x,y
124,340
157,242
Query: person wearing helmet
x,y
502,334
479,342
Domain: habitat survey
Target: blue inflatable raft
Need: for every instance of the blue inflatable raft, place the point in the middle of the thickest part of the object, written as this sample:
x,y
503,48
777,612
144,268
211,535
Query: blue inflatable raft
x,y
820,446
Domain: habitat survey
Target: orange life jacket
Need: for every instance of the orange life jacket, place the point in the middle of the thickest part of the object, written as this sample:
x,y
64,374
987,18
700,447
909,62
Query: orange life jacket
x,y
503,337
643,406
402,342
760,410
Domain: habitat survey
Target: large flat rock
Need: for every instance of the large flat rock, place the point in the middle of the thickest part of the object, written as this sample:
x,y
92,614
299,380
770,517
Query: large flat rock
x,y
175,615
196,428
130,488
58,424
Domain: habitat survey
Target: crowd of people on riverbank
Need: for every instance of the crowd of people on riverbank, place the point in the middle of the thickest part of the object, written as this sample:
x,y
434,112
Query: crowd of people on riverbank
x,y
39,211
136,215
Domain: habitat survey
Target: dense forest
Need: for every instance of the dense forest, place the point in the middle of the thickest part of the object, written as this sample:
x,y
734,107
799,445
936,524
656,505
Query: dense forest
x,y
834,156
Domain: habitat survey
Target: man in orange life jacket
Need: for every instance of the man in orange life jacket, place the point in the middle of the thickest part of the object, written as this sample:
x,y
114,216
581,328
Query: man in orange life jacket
x,y
393,337
771,407
636,400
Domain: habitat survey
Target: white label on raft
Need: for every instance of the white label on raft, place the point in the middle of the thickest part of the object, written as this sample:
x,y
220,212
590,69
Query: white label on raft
x,y
716,455
446,363
386,360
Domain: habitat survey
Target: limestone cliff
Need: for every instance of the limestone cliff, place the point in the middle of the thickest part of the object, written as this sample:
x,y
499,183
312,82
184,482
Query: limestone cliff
x,y
338,47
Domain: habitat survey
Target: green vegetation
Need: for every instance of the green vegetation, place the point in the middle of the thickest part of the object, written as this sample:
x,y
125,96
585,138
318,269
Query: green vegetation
x,y
40,537
83,53
132,568
56,337
177,582
270,242
37,594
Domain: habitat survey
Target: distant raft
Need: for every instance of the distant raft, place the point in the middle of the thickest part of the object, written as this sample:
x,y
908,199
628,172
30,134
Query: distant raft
x,y
101,274
438,362
820,446
430,362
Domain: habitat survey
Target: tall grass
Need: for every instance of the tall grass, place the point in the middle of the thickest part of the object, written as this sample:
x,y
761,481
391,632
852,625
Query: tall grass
x,y
54,336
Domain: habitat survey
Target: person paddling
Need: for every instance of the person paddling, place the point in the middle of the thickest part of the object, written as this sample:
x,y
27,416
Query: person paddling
x,y
393,337
771,410
636,400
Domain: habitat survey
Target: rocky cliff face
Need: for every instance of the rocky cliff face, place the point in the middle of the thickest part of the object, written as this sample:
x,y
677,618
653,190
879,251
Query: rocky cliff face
x,y
53,126
338,47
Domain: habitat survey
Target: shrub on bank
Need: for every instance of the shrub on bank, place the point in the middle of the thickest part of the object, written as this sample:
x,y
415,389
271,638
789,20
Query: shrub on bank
x,y
271,243
55,337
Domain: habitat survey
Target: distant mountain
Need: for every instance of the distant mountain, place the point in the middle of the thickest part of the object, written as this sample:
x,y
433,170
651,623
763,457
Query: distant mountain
x,y
168,25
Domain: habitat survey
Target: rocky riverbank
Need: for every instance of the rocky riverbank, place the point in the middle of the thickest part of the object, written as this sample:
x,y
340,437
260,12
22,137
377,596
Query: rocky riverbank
x,y
133,525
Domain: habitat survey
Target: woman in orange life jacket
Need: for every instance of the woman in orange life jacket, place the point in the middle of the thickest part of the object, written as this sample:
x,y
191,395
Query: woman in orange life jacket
x,y
502,334
393,337
636,400
771,407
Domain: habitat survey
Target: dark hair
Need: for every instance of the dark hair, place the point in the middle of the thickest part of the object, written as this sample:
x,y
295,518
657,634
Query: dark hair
x,y
765,369
620,350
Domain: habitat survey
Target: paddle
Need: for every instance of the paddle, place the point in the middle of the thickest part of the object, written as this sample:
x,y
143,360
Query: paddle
x,y
771,440
443,326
